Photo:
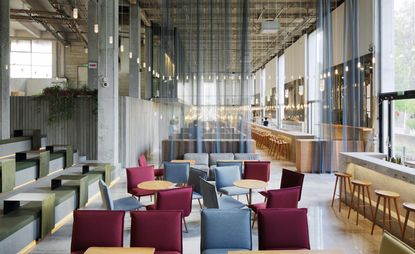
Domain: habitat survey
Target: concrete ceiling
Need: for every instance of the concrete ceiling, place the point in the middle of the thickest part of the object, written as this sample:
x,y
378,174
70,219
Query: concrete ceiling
x,y
296,17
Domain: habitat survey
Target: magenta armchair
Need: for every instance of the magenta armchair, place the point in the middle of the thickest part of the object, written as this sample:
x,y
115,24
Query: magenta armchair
x,y
179,199
282,198
257,170
142,162
283,229
161,230
138,175
289,179
96,228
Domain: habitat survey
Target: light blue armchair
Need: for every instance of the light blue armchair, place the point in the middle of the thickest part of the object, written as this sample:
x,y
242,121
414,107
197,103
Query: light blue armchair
x,y
225,177
126,204
225,230
212,200
176,172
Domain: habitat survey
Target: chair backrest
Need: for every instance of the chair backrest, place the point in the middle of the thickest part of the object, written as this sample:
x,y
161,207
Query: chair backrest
x,y
292,179
179,199
209,194
161,230
142,161
226,229
138,175
97,228
194,179
226,176
247,156
283,198
106,195
239,164
283,229
215,157
199,158
257,170
391,244
176,172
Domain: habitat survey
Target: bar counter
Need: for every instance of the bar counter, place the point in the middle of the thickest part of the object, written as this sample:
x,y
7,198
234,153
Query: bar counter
x,y
291,136
383,175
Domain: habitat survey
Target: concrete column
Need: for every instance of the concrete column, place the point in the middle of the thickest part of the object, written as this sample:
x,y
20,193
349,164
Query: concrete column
x,y
135,48
149,59
108,119
92,43
4,70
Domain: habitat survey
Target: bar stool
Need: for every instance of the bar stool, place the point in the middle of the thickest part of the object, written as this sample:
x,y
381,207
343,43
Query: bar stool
x,y
387,196
409,207
343,178
361,187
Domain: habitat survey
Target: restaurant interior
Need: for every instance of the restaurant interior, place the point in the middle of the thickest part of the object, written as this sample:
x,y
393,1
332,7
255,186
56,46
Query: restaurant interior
x,y
207,126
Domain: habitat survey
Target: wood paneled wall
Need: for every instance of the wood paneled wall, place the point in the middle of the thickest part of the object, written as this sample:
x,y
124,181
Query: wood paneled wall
x,y
80,131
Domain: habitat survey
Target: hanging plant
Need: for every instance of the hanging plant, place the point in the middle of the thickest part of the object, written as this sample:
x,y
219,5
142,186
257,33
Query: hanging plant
x,y
61,101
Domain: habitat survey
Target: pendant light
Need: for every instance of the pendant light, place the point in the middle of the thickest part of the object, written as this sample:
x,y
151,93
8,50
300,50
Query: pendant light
x,y
96,27
75,12
122,45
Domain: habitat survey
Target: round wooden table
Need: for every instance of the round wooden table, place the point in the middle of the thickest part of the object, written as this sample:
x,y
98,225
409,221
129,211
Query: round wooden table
x,y
155,185
250,184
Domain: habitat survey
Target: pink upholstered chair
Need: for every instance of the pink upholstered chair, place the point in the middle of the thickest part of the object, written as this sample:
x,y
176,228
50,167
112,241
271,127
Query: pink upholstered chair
x,y
289,179
142,162
179,199
96,228
282,198
283,229
257,170
138,175
161,230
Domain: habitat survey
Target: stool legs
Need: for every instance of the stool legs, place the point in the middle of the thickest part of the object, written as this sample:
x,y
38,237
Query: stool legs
x,y
351,202
405,224
360,189
397,213
376,213
334,192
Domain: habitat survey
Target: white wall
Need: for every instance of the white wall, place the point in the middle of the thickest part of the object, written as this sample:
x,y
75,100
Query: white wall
x,y
295,60
270,76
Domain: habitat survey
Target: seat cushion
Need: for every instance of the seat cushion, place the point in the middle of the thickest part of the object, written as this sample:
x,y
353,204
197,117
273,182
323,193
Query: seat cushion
x,y
214,157
233,190
127,204
196,195
256,207
199,158
220,251
229,203
140,192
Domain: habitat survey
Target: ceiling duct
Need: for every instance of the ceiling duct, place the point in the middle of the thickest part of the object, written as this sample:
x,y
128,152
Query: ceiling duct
x,y
270,26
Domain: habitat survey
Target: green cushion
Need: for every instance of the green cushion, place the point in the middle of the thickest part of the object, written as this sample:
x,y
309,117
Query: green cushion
x,y
390,244
14,140
56,155
16,220
20,165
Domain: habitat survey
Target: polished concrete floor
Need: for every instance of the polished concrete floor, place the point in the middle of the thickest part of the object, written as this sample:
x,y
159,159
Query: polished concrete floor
x,y
328,228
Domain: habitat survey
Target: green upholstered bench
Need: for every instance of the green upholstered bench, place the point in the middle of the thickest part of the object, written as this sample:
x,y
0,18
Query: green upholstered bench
x,y
56,155
391,244
20,165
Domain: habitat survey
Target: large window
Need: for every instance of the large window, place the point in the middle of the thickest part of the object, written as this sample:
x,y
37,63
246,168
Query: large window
x,y
31,59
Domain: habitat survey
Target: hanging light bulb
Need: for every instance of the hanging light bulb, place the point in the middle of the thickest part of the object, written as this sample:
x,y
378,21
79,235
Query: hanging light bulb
x,y
75,13
111,40
322,85
347,68
336,72
217,77
374,59
286,93
359,65
224,77
96,28
194,77
169,77
149,68
301,90
144,64
210,77
177,77
187,77
122,48
86,50
328,74
130,55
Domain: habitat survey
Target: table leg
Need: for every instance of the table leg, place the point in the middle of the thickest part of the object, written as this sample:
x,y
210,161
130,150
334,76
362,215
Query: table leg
x,y
250,197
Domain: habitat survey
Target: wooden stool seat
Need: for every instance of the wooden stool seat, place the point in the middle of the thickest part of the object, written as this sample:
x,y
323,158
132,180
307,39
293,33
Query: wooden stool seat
x,y
362,187
340,174
361,183
409,207
385,193
344,177
387,196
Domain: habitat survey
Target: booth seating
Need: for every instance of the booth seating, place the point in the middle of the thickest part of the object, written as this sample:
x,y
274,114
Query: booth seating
x,y
9,147
20,227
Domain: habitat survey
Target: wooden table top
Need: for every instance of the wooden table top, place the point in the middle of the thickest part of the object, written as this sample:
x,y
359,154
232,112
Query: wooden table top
x,y
250,184
121,250
288,252
155,185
